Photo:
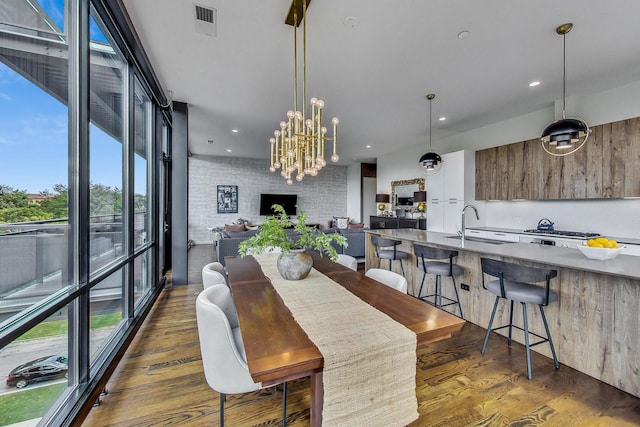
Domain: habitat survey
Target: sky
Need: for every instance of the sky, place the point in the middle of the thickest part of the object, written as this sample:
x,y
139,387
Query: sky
x,y
34,129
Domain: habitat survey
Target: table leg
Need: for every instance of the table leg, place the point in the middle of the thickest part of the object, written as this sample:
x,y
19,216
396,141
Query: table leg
x,y
317,395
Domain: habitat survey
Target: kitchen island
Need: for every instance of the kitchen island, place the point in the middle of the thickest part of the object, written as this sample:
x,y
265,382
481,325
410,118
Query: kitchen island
x,y
595,325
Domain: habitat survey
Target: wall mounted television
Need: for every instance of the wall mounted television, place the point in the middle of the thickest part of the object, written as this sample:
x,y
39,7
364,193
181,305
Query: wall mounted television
x,y
288,202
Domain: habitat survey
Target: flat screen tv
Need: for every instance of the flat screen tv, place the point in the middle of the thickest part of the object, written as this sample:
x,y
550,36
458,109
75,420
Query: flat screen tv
x,y
288,202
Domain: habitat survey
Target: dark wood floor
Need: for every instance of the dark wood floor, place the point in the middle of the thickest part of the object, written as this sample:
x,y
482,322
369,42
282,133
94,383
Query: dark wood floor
x,y
160,381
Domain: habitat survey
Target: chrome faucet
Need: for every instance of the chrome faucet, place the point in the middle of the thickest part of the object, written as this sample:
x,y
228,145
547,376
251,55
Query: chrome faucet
x,y
463,211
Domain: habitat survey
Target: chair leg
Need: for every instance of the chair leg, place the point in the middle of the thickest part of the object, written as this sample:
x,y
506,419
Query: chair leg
x,y
402,268
284,404
455,288
222,399
438,299
424,275
546,327
510,322
390,264
526,339
493,314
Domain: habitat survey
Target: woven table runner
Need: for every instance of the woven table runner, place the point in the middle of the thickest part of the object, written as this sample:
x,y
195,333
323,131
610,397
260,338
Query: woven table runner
x,y
369,359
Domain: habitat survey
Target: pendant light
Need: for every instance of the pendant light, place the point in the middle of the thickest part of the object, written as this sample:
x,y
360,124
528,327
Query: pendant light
x,y
431,161
564,136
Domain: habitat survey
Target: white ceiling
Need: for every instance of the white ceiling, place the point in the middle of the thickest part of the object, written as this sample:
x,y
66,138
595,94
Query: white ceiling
x,y
375,76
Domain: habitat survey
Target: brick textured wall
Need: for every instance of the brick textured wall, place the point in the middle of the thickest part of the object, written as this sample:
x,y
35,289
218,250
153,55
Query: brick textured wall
x,y
320,197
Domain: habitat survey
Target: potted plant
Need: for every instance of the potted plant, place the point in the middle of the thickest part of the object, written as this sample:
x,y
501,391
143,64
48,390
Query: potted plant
x,y
294,263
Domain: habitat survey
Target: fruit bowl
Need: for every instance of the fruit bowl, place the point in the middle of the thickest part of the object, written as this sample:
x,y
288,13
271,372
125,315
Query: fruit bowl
x,y
599,253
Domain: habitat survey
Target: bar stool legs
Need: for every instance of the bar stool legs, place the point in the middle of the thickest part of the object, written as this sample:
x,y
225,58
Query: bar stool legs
x,y
437,297
526,331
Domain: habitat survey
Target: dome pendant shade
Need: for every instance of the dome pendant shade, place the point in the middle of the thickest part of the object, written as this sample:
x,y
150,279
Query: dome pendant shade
x,y
431,161
565,136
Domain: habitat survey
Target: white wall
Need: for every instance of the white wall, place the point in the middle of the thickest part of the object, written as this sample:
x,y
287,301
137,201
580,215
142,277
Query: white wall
x,y
354,192
619,218
320,197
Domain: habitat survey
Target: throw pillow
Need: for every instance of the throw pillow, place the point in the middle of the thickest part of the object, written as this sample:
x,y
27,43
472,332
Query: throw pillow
x,y
341,221
358,225
235,227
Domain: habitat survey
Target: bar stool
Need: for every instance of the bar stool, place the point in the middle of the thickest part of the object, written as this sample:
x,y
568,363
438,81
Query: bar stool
x,y
393,254
516,283
439,268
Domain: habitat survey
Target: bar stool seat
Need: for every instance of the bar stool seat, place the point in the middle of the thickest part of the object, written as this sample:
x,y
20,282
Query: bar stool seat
x,y
381,244
517,283
439,268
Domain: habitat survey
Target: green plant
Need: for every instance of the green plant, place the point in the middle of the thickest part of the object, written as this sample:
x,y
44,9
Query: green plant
x,y
272,234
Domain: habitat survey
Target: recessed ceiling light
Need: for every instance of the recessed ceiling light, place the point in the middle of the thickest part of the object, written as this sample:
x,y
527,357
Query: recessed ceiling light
x,y
234,130
367,146
209,141
463,34
228,150
442,119
351,21
534,83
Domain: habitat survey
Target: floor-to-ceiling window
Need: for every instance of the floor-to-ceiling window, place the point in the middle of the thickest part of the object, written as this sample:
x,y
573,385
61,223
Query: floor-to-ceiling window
x,y
80,213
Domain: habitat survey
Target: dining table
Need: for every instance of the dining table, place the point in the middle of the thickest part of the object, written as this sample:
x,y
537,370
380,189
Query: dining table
x,y
278,349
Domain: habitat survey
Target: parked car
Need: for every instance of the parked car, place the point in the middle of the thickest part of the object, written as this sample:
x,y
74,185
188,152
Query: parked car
x,y
43,369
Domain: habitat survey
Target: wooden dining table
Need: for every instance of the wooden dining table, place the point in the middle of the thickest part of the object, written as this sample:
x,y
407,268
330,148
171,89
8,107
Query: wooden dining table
x,y
279,350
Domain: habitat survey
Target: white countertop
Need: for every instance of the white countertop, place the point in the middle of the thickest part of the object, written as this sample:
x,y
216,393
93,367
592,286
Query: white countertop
x,y
623,265
624,240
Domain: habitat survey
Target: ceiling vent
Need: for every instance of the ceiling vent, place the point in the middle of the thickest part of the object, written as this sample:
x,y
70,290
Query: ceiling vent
x,y
205,19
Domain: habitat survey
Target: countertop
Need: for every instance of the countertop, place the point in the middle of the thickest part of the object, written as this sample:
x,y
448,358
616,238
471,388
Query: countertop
x,y
623,240
626,266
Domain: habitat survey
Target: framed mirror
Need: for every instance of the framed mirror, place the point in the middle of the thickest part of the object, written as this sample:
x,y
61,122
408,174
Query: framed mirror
x,y
402,192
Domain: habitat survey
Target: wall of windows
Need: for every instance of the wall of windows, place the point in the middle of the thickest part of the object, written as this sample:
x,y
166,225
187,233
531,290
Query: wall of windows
x,y
81,211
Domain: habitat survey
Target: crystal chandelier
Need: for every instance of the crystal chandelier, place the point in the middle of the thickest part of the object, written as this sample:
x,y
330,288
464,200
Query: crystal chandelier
x,y
298,147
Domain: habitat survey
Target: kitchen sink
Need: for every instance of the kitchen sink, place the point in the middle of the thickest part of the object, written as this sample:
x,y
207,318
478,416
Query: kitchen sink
x,y
478,239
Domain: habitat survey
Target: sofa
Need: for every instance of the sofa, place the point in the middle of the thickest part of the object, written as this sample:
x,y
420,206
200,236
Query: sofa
x,y
228,245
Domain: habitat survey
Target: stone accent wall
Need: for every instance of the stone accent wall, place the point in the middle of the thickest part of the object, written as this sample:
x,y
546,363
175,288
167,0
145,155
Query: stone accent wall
x,y
320,197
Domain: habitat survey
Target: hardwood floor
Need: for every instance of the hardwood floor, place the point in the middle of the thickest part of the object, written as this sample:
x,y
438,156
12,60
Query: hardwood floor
x,y
160,381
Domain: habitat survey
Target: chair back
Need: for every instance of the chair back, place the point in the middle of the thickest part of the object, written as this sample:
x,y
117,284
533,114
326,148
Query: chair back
x,y
389,278
225,368
425,252
433,253
381,242
348,261
517,273
212,278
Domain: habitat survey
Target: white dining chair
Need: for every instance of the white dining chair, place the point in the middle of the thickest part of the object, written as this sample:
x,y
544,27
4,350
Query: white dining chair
x,y
348,261
389,278
213,274
223,354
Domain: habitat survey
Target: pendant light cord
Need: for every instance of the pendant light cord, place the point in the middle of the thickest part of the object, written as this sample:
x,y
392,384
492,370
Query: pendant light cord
x,y
564,72
430,115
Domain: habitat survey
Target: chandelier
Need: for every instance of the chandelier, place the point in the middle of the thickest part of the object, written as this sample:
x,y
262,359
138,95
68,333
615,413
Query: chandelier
x,y
298,147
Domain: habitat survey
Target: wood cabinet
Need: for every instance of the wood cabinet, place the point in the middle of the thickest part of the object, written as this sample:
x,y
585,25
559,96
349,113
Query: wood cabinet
x,y
379,222
608,166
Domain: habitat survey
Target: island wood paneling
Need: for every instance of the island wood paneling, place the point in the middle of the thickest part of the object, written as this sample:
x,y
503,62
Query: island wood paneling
x,y
608,166
595,324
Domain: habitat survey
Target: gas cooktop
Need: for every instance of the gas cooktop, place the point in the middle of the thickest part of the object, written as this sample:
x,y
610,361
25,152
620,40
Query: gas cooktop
x,y
578,234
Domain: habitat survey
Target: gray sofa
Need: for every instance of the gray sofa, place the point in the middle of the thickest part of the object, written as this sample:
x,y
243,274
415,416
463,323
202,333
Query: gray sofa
x,y
228,246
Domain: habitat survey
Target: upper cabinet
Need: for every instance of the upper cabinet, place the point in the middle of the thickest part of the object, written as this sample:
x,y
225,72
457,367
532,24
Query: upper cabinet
x,y
449,190
608,166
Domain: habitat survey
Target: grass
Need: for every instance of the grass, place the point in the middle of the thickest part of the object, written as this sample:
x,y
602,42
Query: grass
x,y
60,327
33,403
28,404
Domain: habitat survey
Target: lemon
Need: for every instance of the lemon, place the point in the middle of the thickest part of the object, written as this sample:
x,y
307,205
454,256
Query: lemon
x,y
597,245
602,240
